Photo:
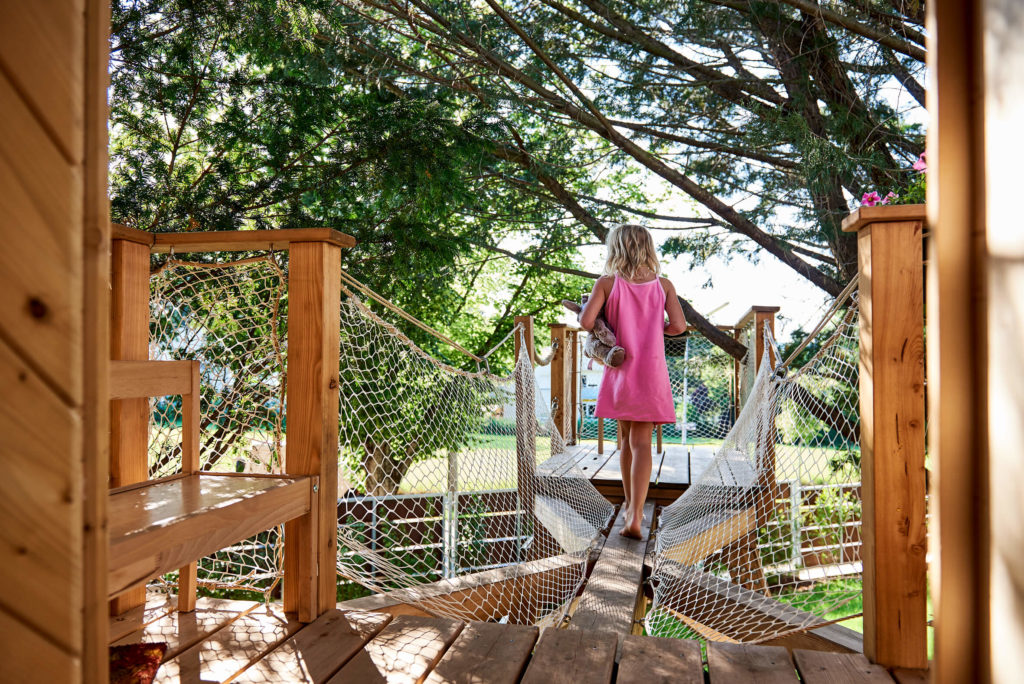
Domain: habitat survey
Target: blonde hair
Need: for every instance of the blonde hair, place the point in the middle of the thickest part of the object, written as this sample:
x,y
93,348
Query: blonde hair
x,y
631,252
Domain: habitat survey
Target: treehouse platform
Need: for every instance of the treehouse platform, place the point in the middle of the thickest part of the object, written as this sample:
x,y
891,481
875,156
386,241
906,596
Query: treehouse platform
x,y
673,469
244,641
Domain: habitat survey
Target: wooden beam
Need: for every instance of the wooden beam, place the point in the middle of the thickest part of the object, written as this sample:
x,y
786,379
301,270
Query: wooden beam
x,y
314,339
135,379
565,656
188,575
957,345
892,440
561,382
129,340
574,379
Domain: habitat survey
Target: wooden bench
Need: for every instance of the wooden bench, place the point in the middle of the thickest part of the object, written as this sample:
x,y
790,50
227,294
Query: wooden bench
x,y
158,526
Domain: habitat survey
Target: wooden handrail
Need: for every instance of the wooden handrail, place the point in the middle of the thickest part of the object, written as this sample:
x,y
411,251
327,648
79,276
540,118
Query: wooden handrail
x,y
230,240
138,379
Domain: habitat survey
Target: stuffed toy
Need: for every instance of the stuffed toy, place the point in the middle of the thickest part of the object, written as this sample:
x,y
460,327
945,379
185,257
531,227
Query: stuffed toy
x,y
601,345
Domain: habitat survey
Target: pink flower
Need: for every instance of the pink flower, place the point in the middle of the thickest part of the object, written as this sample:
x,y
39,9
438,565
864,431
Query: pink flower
x,y
870,199
921,164
889,198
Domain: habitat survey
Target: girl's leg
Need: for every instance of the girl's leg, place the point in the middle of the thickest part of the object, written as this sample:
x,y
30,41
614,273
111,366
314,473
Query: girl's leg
x,y
625,461
639,475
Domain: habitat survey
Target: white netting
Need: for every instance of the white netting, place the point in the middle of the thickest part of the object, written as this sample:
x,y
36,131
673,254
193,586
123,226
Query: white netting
x,y
437,488
767,541
231,318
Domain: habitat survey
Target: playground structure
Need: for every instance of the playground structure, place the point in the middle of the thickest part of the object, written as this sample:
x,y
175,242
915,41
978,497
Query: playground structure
x,y
268,431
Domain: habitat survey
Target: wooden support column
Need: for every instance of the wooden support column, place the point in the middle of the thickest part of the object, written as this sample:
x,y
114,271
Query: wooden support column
x,y
600,435
129,341
314,338
892,432
574,378
561,381
188,576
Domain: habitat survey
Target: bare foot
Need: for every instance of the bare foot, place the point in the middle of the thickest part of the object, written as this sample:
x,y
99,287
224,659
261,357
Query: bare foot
x,y
631,531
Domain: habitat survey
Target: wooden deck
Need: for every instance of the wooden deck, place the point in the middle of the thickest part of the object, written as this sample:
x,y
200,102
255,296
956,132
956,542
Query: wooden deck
x,y
672,470
239,641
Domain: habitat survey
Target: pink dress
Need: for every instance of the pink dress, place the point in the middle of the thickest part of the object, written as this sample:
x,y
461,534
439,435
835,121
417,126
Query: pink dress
x,y
638,389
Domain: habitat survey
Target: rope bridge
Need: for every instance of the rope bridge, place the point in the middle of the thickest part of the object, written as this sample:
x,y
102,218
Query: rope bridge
x,y
436,485
766,542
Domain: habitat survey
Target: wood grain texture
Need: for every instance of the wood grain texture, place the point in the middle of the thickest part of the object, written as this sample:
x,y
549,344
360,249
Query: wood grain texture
x,y
40,504
182,631
158,528
730,663
319,650
41,264
892,443
95,296
231,649
485,651
658,660
608,602
816,667
247,240
314,339
28,657
134,621
41,47
134,379
404,652
561,381
572,657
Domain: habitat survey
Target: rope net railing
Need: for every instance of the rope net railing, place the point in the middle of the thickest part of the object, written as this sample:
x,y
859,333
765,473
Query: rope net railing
x,y
232,318
437,486
767,541
444,473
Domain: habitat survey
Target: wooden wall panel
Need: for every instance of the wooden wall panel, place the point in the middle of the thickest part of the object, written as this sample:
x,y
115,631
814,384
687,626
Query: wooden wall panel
x,y
41,49
40,263
40,504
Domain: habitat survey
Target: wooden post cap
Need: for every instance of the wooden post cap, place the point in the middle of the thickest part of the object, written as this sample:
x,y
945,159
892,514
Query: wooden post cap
x,y
890,213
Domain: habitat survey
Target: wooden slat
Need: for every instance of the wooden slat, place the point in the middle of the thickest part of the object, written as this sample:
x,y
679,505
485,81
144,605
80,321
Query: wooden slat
x,y
188,575
41,47
40,576
181,631
485,651
561,381
592,463
28,657
231,649
158,528
566,656
709,533
40,264
134,379
730,663
905,676
611,471
404,652
608,602
892,443
318,650
134,621
95,295
247,240
314,339
657,660
675,466
818,667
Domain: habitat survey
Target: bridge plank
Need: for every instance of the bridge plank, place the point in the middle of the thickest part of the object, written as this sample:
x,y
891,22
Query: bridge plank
x,y
572,657
728,663
608,602
658,660
819,667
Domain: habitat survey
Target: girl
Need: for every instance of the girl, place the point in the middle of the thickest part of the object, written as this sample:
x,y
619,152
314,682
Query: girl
x,y
637,394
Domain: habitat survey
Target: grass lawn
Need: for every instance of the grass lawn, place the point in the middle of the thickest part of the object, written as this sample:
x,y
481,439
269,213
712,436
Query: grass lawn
x,y
490,463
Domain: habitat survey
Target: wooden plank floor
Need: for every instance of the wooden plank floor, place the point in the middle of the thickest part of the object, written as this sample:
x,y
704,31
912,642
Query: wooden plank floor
x,y
672,471
609,600
240,641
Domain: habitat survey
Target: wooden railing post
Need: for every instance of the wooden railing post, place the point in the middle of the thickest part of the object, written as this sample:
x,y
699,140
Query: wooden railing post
x,y
574,380
129,341
561,381
314,338
892,432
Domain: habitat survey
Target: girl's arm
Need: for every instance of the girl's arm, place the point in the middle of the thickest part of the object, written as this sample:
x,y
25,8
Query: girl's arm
x,y
598,296
676,319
